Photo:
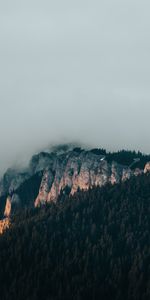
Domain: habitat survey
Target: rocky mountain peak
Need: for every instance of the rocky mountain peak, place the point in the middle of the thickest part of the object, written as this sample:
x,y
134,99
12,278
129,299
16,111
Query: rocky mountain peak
x,y
67,169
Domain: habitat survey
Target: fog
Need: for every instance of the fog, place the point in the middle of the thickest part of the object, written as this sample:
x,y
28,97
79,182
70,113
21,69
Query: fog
x,y
73,71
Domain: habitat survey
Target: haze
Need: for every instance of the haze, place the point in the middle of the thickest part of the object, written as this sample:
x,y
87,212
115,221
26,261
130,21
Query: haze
x,y
73,71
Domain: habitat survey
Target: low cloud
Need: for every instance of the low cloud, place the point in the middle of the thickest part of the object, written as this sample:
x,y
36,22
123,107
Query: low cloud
x,y
73,72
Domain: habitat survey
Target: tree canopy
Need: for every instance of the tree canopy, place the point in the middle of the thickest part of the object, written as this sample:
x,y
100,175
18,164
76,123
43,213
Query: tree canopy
x,y
93,245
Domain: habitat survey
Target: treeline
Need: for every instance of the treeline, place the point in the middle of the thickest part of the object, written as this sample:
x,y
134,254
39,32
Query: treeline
x,y
124,157
94,245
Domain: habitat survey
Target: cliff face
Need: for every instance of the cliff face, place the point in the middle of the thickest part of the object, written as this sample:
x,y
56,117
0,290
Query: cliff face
x,y
50,173
80,171
147,168
11,180
7,207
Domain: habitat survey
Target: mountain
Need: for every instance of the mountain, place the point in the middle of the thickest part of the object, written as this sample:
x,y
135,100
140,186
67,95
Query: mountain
x,y
65,170
90,245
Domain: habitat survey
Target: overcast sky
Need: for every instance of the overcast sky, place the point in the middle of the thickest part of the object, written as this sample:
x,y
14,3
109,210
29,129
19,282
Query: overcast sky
x,y
73,70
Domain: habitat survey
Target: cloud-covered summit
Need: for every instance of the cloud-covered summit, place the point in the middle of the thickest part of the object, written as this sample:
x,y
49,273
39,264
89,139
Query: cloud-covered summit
x,y
73,71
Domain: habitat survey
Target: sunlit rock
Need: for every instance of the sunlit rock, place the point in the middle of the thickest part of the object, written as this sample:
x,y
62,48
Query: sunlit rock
x,y
45,187
63,171
4,224
79,171
7,211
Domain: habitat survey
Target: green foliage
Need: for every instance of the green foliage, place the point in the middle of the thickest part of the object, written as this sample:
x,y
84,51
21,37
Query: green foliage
x,y
94,245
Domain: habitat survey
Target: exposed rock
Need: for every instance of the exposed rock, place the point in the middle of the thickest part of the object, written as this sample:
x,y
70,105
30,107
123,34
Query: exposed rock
x,y
7,211
65,170
11,180
116,173
17,180
147,168
15,199
41,161
79,171
10,203
6,181
138,172
45,187
127,173
4,224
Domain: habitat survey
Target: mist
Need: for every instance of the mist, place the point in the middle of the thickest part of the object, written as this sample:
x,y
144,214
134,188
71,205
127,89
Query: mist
x,y
73,71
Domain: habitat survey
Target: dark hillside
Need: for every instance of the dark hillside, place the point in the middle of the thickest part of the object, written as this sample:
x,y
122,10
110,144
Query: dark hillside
x,y
95,245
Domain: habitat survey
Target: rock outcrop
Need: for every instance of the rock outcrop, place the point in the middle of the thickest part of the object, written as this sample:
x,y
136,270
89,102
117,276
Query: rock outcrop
x,y
7,211
49,174
147,168
4,224
80,171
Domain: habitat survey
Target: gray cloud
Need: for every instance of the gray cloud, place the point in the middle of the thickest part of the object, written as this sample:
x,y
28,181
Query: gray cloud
x,y
73,70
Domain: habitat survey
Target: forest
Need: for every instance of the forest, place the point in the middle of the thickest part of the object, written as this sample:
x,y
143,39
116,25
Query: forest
x,y
93,245
124,157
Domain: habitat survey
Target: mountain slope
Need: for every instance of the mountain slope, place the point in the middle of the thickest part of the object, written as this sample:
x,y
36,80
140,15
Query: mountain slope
x,y
93,245
68,170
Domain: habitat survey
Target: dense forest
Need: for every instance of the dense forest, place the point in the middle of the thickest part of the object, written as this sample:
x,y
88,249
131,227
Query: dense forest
x,y
124,157
94,245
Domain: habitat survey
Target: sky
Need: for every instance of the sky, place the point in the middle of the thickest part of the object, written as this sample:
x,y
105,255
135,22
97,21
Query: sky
x,y
73,71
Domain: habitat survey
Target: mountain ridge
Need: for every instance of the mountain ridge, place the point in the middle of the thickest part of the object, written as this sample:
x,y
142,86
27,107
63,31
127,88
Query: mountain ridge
x,y
65,170
92,245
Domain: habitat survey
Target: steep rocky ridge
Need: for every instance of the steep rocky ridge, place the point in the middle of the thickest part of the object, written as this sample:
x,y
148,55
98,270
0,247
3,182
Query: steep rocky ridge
x,y
49,174
80,171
